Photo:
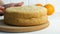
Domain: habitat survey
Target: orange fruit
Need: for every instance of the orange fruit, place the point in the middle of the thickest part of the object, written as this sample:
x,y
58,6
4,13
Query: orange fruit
x,y
50,9
38,4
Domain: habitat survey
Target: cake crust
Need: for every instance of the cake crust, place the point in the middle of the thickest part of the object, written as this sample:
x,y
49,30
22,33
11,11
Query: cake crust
x,y
25,16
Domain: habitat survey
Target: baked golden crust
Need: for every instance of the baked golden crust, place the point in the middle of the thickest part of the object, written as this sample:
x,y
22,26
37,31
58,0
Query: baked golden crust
x,y
25,16
26,12
26,22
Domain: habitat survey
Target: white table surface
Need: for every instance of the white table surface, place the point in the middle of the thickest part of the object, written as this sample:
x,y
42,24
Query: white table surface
x,y
54,27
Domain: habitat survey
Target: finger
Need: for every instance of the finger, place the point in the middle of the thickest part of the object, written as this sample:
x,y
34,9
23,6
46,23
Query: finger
x,y
2,8
1,11
19,4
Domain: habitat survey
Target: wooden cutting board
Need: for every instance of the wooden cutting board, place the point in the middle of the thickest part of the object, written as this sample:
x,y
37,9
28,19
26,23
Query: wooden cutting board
x,y
8,28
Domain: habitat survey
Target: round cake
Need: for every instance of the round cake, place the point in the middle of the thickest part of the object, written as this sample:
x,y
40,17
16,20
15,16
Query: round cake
x,y
26,15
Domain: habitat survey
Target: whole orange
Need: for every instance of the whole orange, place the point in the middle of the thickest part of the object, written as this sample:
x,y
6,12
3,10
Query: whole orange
x,y
50,9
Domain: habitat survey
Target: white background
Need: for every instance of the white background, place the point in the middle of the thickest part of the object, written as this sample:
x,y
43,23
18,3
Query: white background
x,y
54,27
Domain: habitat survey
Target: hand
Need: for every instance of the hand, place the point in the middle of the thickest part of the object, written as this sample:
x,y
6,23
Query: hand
x,y
1,10
3,7
13,4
